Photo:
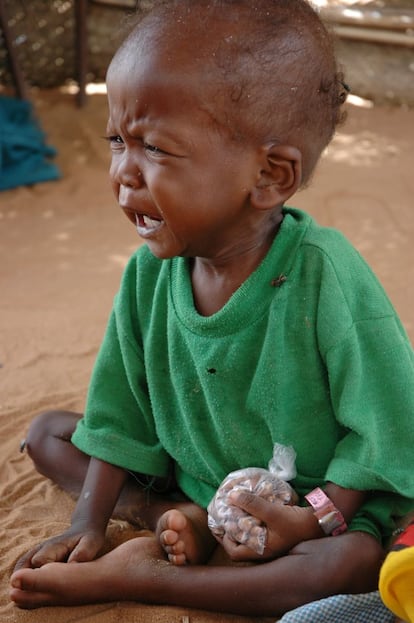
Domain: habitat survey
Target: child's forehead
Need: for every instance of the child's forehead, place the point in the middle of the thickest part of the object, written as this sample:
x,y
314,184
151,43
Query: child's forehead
x,y
160,54
195,40
171,66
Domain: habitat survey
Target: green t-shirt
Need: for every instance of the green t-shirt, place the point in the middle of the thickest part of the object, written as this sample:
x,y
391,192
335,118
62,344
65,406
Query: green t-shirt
x,y
317,359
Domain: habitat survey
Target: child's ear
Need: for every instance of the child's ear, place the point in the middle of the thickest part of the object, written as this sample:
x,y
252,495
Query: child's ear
x,y
279,177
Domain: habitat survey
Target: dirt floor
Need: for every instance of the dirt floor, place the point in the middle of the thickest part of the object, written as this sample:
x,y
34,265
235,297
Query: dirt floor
x,y
63,246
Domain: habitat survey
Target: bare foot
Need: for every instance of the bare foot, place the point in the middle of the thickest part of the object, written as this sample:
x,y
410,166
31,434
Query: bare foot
x,y
184,536
125,573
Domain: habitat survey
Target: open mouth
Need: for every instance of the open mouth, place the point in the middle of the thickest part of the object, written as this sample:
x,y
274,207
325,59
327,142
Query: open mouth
x,y
147,225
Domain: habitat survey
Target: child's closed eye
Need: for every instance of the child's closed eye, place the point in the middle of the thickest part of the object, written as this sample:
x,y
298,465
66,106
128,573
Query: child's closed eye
x,y
154,150
114,140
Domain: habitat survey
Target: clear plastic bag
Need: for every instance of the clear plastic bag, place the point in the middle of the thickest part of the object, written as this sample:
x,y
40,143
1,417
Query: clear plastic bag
x,y
271,484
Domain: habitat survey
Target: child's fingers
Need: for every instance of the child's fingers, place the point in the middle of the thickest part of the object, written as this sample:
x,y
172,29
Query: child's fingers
x,y
238,552
25,561
86,549
255,505
50,551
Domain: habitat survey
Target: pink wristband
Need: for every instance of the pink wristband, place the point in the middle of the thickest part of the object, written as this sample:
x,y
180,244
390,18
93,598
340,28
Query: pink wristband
x,y
329,517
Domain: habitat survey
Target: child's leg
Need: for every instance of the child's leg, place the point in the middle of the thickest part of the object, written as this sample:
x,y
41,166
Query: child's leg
x,y
184,532
137,570
48,445
397,576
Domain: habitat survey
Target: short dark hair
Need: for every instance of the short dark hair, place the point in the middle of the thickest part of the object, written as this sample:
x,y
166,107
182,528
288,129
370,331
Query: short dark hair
x,y
278,77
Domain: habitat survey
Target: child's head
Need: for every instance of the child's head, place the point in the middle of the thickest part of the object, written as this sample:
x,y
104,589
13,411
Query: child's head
x,y
266,67
218,114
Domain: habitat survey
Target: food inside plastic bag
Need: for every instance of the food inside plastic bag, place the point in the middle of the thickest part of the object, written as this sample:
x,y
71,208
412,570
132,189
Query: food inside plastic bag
x,y
271,484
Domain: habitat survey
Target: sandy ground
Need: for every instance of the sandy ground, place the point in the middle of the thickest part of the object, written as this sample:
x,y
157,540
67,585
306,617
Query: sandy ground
x,y
62,249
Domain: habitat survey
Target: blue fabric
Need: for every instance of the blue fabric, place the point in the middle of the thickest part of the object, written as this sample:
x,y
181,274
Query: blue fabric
x,y
24,156
364,608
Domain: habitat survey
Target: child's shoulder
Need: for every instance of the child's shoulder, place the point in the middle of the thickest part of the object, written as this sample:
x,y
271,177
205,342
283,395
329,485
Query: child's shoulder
x,y
326,242
329,261
315,234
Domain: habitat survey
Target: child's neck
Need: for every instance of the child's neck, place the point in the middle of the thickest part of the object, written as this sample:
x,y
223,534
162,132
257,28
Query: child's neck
x,y
215,281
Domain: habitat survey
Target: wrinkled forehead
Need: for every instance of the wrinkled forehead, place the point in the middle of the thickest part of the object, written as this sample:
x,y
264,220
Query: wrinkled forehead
x,y
156,72
166,44
177,59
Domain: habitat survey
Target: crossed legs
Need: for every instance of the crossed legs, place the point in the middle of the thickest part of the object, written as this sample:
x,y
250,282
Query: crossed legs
x,y
145,501
140,569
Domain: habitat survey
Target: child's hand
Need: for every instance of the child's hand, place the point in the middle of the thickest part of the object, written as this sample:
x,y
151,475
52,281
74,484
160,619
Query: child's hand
x,y
83,540
74,545
286,526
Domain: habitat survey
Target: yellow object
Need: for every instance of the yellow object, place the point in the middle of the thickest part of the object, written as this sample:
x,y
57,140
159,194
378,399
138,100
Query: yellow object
x,y
396,584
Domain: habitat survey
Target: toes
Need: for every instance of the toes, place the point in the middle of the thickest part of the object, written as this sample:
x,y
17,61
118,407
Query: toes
x,y
171,542
177,559
28,601
24,592
172,520
169,538
23,581
172,531
174,547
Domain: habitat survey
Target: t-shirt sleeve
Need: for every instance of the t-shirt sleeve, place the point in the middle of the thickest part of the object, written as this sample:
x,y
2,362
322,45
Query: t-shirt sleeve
x,y
372,390
118,426
370,367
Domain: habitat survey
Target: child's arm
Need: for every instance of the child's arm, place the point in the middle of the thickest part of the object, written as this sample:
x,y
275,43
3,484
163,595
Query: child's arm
x,y
288,526
85,537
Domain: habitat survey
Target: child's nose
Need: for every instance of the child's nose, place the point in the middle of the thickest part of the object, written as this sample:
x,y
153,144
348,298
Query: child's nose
x,y
126,172
131,179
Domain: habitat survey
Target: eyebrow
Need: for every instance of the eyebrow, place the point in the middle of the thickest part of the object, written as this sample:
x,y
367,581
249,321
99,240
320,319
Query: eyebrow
x,y
160,129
